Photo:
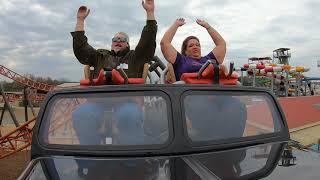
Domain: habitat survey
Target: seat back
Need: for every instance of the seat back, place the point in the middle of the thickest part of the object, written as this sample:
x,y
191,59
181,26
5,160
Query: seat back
x,y
86,71
170,77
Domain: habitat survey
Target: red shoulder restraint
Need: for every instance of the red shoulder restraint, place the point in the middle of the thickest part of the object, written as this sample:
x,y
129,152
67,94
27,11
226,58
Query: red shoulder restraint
x,y
207,77
116,79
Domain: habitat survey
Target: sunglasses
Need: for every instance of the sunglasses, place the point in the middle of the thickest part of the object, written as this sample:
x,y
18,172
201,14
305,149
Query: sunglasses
x,y
119,39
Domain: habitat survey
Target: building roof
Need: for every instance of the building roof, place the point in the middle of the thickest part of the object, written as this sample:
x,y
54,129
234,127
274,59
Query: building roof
x,y
67,85
260,58
282,49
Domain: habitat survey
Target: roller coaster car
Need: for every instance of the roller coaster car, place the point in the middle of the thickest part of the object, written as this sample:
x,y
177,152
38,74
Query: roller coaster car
x,y
210,73
162,132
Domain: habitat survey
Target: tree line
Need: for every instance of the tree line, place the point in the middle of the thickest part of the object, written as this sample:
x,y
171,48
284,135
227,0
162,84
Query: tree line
x,y
17,87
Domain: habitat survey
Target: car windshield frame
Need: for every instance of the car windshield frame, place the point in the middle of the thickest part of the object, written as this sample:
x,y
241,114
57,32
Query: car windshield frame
x,y
42,135
178,143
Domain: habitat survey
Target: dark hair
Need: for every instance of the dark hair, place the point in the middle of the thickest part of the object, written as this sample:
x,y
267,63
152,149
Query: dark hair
x,y
185,44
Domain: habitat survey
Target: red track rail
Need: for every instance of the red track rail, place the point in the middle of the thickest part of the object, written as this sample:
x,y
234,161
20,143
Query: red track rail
x,y
62,114
16,140
21,137
25,81
19,97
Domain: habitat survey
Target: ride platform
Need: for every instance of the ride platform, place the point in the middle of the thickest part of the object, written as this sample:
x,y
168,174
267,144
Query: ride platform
x,y
303,117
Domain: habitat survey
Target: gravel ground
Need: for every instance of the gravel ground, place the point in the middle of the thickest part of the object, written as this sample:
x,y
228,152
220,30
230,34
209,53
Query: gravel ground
x,y
12,166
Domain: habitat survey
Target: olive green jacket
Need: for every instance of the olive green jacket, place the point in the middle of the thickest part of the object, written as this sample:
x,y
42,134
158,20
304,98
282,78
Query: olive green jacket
x,y
102,58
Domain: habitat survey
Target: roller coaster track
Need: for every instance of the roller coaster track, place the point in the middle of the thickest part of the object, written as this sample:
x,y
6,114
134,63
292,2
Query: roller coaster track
x,y
21,137
25,81
17,140
63,112
19,97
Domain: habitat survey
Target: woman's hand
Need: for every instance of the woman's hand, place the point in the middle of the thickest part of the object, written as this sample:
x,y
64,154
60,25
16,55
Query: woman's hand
x,y
180,22
83,12
203,23
220,50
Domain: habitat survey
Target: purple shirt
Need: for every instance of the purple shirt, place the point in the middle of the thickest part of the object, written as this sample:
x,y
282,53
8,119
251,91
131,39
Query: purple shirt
x,y
184,64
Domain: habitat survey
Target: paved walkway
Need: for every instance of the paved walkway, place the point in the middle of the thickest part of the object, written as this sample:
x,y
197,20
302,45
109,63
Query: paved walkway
x,y
301,111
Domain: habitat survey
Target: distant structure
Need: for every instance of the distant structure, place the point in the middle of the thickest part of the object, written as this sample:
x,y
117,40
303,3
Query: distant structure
x,y
318,63
262,60
281,56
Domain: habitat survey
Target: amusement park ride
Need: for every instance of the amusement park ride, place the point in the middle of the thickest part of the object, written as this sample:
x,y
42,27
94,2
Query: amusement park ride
x,y
275,74
279,76
20,138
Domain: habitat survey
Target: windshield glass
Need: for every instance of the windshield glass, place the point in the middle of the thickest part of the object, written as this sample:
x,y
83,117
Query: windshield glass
x,y
217,117
108,119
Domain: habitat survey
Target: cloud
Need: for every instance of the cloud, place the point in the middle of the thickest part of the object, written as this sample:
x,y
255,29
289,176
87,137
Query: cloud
x,y
36,33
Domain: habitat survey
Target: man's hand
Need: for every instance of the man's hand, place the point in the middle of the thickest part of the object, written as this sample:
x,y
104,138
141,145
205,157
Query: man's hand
x,y
83,12
148,5
203,23
180,22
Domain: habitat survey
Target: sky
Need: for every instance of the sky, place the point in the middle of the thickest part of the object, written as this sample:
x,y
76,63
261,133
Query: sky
x,y
35,34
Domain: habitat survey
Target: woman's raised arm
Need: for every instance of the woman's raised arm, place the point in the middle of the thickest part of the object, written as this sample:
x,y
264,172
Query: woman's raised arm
x,y
168,51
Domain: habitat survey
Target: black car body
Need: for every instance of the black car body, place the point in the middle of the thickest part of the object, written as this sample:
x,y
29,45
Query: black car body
x,y
166,132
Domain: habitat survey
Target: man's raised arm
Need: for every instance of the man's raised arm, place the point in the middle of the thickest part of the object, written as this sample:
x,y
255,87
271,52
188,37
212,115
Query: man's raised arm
x,y
147,43
85,53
